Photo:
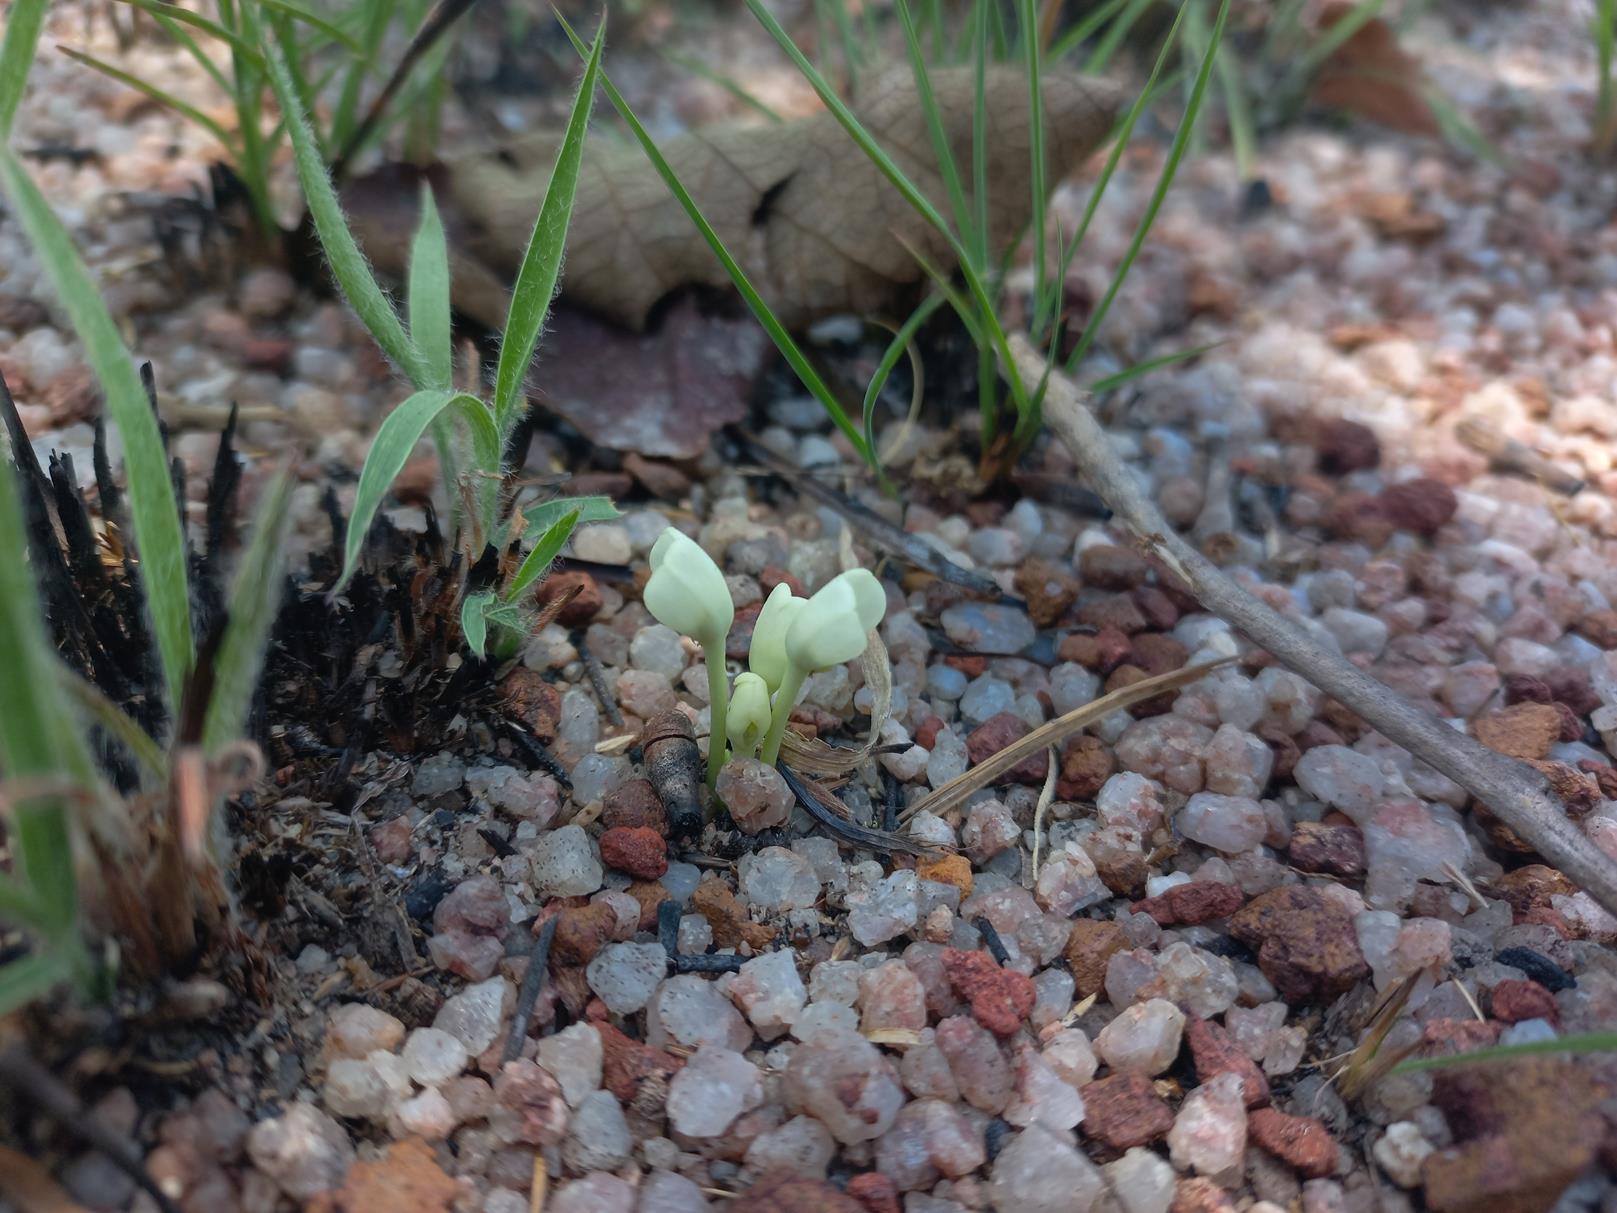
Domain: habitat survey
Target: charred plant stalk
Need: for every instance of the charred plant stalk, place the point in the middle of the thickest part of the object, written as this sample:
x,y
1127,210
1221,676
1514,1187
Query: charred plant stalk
x,y
674,766
1514,792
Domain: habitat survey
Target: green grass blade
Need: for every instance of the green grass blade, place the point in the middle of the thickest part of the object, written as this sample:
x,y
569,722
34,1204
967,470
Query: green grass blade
x,y
1605,36
92,704
166,13
377,14
22,981
17,906
1101,57
794,356
979,137
254,599
37,737
1238,113
1332,40
395,440
541,263
589,509
1043,306
728,83
314,21
428,295
1130,373
934,124
1080,33
16,57
348,264
1176,153
541,555
205,61
159,539
292,55
474,610
890,358
1578,1043
183,108
975,286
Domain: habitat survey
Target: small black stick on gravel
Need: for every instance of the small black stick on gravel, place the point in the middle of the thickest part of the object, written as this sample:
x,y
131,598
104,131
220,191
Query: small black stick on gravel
x,y
532,981
20,1071
668,916
597,676
996,945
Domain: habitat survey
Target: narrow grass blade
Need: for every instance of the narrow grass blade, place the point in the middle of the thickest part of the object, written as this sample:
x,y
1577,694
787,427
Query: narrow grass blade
x,y
183,108
1043,306
1101,57
794,356
1131,373
22,981
348,264
17,56
205,61
728,83
589,509
474,621
428,295
92,703
934,124
1075,37
1332,40
1238,113
1125,131
1176,153
889,359
17,907
159,539
314,21
377,14
1605,35
293,55
539,558
396,438
975,286
166,13
541,264
1582,1042
37,738
254,600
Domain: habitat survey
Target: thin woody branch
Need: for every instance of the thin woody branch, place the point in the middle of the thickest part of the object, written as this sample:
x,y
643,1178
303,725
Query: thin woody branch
x,y
1514,792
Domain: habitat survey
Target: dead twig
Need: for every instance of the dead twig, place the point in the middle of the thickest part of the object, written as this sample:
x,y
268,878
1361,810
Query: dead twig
x,y
20,1071
1509,457
528,994
1513,791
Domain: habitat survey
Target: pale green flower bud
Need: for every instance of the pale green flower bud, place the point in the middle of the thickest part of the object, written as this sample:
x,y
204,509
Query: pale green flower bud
x,y
767,657
832,626
688,592
748,721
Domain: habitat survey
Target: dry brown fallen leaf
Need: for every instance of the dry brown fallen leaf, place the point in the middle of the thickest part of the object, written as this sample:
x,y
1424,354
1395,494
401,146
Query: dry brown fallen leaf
x,y
810,218
813,222
1372,76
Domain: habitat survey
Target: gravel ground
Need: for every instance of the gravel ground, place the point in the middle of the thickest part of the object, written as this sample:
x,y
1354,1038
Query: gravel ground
x,y
1231,877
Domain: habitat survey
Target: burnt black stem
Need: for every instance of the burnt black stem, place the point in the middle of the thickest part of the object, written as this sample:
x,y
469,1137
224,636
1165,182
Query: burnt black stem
x,y
996,945
532,982
19,1070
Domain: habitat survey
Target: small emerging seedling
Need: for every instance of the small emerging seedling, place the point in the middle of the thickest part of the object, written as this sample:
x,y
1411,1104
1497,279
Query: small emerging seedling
x,y
792,638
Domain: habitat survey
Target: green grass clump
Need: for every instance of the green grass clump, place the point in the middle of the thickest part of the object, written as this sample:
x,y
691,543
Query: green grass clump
x,y
471,433
59,811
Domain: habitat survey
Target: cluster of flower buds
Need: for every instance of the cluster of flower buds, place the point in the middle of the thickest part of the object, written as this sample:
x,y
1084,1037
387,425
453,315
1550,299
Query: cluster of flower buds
x,y
793,638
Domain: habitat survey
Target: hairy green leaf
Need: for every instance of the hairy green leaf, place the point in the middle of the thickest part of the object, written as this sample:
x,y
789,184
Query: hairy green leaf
x,y
541,263
541,554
